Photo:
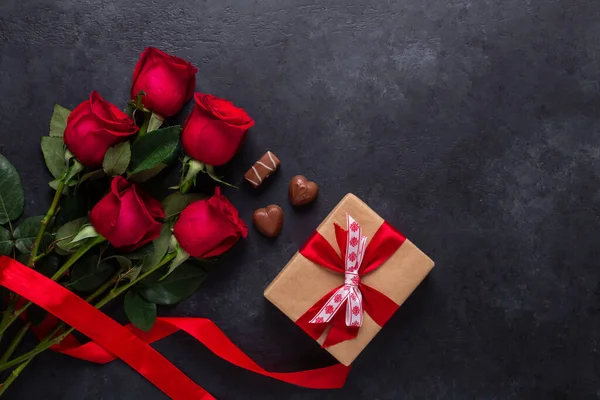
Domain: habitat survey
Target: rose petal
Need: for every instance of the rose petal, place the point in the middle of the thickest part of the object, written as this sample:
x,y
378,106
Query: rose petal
x,y
111,118
152,234
154,207
208,228
104,214
90,131
132,223
168,81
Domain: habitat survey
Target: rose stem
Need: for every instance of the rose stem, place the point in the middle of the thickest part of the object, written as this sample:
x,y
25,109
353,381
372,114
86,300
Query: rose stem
x,y
193,168
17,339
13,376
185,187
45,222
14,315
145,124
50,340
113,294
15,342
17,371
14,299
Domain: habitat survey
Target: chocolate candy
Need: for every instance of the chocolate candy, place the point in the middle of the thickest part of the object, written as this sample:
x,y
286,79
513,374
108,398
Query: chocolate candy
x,y
262,169
302,191
269,220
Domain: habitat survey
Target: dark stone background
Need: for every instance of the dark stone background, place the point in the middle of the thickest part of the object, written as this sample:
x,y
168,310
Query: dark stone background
x,y
473,126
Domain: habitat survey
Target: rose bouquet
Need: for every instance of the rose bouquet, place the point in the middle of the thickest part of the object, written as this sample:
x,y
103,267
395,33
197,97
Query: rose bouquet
x,y
124,242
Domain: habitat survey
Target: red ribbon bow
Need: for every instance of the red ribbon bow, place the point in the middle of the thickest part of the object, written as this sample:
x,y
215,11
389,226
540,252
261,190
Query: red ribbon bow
x,y
384,243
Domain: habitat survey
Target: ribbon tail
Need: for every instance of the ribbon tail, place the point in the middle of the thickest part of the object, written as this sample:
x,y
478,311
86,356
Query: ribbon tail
x,y
354,310
215,340
95,353
377,305
207,333
339,331
315,330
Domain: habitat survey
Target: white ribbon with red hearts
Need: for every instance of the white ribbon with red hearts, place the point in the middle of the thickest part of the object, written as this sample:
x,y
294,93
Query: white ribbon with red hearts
x,y
355,250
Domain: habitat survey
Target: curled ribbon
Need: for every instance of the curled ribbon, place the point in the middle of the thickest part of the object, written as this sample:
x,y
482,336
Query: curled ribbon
x,y
357,259
111,340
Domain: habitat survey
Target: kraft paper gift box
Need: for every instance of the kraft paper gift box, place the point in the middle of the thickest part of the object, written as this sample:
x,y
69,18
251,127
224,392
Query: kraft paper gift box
x,y
302,282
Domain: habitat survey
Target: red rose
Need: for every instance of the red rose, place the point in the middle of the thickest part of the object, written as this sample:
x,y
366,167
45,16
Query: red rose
x,y
208,228
168,81
126,216
93,127
215,129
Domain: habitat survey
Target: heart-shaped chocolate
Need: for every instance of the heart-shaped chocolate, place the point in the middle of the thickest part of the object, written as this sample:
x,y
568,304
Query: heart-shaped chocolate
x,y
268,220
302,191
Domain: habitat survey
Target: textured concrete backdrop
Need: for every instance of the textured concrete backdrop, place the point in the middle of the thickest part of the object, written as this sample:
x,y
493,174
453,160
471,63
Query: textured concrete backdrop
x,y
473,126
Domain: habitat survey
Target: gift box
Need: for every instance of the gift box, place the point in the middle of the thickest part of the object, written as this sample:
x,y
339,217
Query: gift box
x,y
348,279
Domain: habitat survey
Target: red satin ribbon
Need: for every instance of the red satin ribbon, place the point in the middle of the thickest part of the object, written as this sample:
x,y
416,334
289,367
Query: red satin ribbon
x,y
384,243
110,340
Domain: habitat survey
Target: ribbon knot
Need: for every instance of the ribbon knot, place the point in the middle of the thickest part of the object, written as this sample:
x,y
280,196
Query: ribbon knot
x,y
351,279
357,259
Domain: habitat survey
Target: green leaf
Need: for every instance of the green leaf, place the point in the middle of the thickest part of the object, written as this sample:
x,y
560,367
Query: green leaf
x,y
143,176
26,232
66,233
129,109
76,168
154,148
140,312
116,159
131,274
6,242
124,262
156,121
53,149
54,185
176,202
181,257
12,197
88,274
161,245
141,253
138,101
86,232
58,122
210,170
92,176
178,286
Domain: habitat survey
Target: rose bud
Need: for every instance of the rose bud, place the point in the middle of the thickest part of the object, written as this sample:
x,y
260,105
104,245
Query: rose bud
x,y
93,127
168,81
215,130
210,227
127,216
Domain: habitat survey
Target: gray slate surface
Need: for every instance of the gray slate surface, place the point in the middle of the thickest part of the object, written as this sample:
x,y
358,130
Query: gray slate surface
x,y
473,126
